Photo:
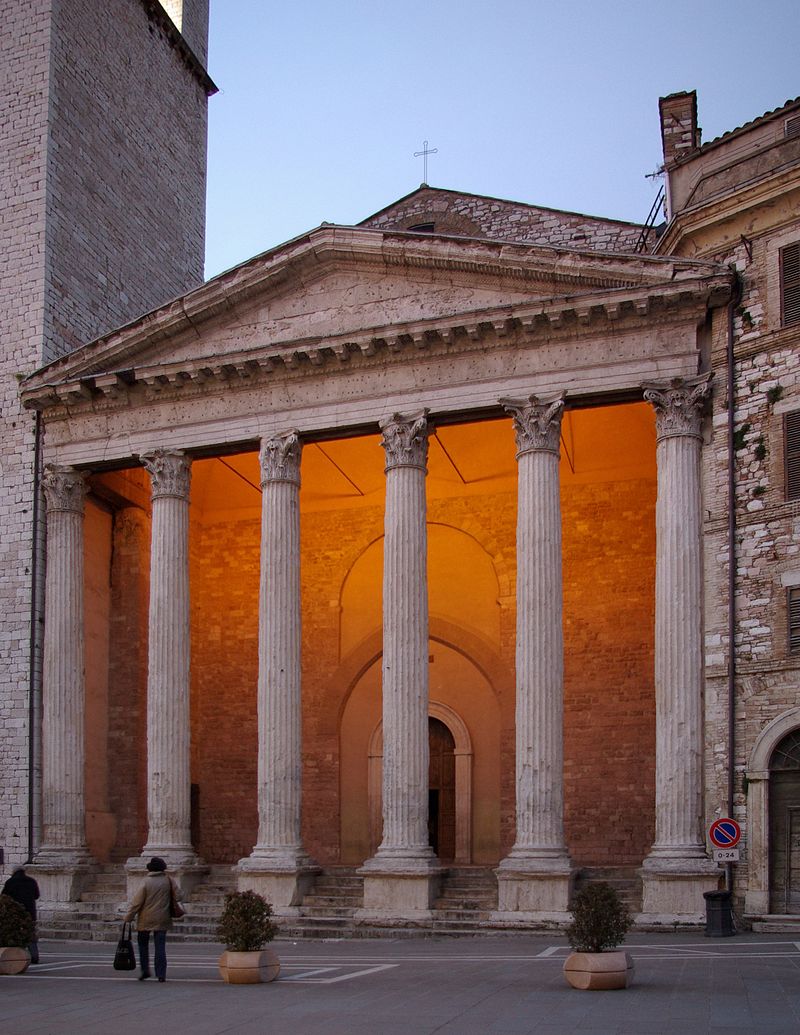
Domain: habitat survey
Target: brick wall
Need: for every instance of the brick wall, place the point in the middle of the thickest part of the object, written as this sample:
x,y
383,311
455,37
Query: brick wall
x,y
609,549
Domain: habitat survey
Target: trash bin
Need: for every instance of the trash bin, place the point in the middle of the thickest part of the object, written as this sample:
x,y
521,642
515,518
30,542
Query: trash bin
x,y
719,917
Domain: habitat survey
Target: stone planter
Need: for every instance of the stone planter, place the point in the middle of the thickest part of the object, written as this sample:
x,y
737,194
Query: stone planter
x,y
598,971
14,961
249,968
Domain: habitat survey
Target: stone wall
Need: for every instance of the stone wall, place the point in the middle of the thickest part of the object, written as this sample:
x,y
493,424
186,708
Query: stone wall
x,y
469,215
102,202
768,527
24,73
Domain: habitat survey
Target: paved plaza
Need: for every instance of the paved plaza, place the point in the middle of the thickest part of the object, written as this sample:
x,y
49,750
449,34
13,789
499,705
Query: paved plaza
x,y
492,985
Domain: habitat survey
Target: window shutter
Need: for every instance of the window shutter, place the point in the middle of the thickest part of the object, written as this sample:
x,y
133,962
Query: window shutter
x,y
791,443
790,284
794,621
791,128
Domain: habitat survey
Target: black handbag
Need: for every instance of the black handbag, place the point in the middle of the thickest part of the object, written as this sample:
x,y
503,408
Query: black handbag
x,y
124,958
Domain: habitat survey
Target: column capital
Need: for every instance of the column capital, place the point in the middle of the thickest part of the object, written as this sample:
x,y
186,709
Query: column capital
x,y
280,458
64,488
405,439
679,405
170,472
537,423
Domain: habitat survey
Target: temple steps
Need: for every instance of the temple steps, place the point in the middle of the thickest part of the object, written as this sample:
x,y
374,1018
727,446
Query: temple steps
x,y
467,899
625,880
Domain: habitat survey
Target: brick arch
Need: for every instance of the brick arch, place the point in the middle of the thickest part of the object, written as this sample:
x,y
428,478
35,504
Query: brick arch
x,y
489,546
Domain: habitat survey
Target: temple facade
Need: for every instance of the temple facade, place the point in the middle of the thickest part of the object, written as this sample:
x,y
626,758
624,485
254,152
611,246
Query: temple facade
x,y
465,537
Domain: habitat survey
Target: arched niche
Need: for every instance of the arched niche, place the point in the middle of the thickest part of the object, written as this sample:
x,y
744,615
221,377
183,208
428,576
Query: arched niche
x,y
464,587
469,679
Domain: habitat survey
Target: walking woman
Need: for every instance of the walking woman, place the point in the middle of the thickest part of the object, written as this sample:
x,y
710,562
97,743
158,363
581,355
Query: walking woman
x,y
152,908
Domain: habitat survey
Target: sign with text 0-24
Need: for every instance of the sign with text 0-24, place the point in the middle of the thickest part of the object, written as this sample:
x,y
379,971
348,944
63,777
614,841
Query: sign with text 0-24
x,y
724,835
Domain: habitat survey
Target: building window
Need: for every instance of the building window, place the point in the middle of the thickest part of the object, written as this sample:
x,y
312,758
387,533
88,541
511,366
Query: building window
x,y
790,284
794,621
791,128
791,445
422,228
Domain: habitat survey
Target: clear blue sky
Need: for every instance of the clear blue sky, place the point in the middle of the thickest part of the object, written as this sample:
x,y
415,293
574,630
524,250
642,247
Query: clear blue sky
x,y
322,103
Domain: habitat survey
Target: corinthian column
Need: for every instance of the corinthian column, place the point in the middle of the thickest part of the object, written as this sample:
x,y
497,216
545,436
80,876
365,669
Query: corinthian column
x,y
278,866
535,876
168,730
64,839
398,879
679,848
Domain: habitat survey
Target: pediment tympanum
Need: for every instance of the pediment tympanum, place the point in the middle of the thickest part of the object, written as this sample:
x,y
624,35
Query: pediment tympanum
x,y
347,316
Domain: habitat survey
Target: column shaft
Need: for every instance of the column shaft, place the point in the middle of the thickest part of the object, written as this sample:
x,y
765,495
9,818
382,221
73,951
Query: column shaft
x,y
279,758
540,649
168,722
405,844
678,628
63,805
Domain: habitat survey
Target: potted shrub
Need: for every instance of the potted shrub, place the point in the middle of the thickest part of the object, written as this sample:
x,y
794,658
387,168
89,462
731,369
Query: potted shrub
x,y
245,927
600,922
17,931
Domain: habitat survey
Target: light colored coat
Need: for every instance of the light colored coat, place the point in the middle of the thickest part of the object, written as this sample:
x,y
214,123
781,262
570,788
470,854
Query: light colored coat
x,y
151,904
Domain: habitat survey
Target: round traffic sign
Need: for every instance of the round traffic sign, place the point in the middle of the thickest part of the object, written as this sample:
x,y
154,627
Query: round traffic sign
x,y
725,833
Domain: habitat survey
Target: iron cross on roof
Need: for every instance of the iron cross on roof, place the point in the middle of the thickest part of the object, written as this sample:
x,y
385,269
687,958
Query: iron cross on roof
x,y
423,154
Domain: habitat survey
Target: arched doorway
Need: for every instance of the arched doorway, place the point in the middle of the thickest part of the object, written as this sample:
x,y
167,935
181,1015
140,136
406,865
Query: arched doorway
x,y
784,825
441,790
452,771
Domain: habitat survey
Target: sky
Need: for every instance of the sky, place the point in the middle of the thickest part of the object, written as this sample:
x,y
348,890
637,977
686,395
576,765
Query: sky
x,y
322,103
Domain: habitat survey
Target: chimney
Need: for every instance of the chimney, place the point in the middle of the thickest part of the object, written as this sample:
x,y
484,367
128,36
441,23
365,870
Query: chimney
x,y
679,131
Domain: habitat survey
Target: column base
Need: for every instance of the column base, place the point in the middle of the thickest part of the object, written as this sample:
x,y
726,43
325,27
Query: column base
x,y
400,884
62,874
185,868
283,876
673,886
534,886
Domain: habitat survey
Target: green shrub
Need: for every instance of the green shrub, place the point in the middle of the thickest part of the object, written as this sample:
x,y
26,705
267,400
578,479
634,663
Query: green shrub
x,y
17,929
245,924
600,919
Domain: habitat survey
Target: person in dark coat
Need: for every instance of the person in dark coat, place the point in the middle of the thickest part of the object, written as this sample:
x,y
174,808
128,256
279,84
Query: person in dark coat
x,y
25,890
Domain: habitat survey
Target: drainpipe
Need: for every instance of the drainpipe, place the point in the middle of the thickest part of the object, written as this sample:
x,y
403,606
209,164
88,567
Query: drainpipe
x,y
731,570
35,645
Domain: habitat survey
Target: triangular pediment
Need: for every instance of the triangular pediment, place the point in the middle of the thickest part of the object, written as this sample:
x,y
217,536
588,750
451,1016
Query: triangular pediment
x,y
343,288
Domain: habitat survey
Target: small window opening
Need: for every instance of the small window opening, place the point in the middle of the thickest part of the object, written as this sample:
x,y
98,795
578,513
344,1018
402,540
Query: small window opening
x,y
794,621
790,284
422,228
791,444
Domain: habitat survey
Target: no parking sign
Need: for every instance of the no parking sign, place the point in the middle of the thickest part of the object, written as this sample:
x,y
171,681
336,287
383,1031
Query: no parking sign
x,y
725,835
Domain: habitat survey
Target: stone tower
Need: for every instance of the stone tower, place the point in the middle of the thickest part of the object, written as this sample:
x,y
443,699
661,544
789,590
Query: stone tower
x,y
102,217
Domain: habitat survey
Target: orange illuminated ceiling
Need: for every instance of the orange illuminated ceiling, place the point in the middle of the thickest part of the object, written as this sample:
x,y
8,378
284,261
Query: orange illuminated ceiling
x,y
604,444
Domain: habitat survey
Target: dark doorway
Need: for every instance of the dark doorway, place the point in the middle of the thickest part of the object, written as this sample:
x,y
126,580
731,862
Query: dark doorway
x,y
441,790
784,826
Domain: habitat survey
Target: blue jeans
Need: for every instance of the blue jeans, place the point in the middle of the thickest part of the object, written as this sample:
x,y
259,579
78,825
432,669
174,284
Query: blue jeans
x,y
160,952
